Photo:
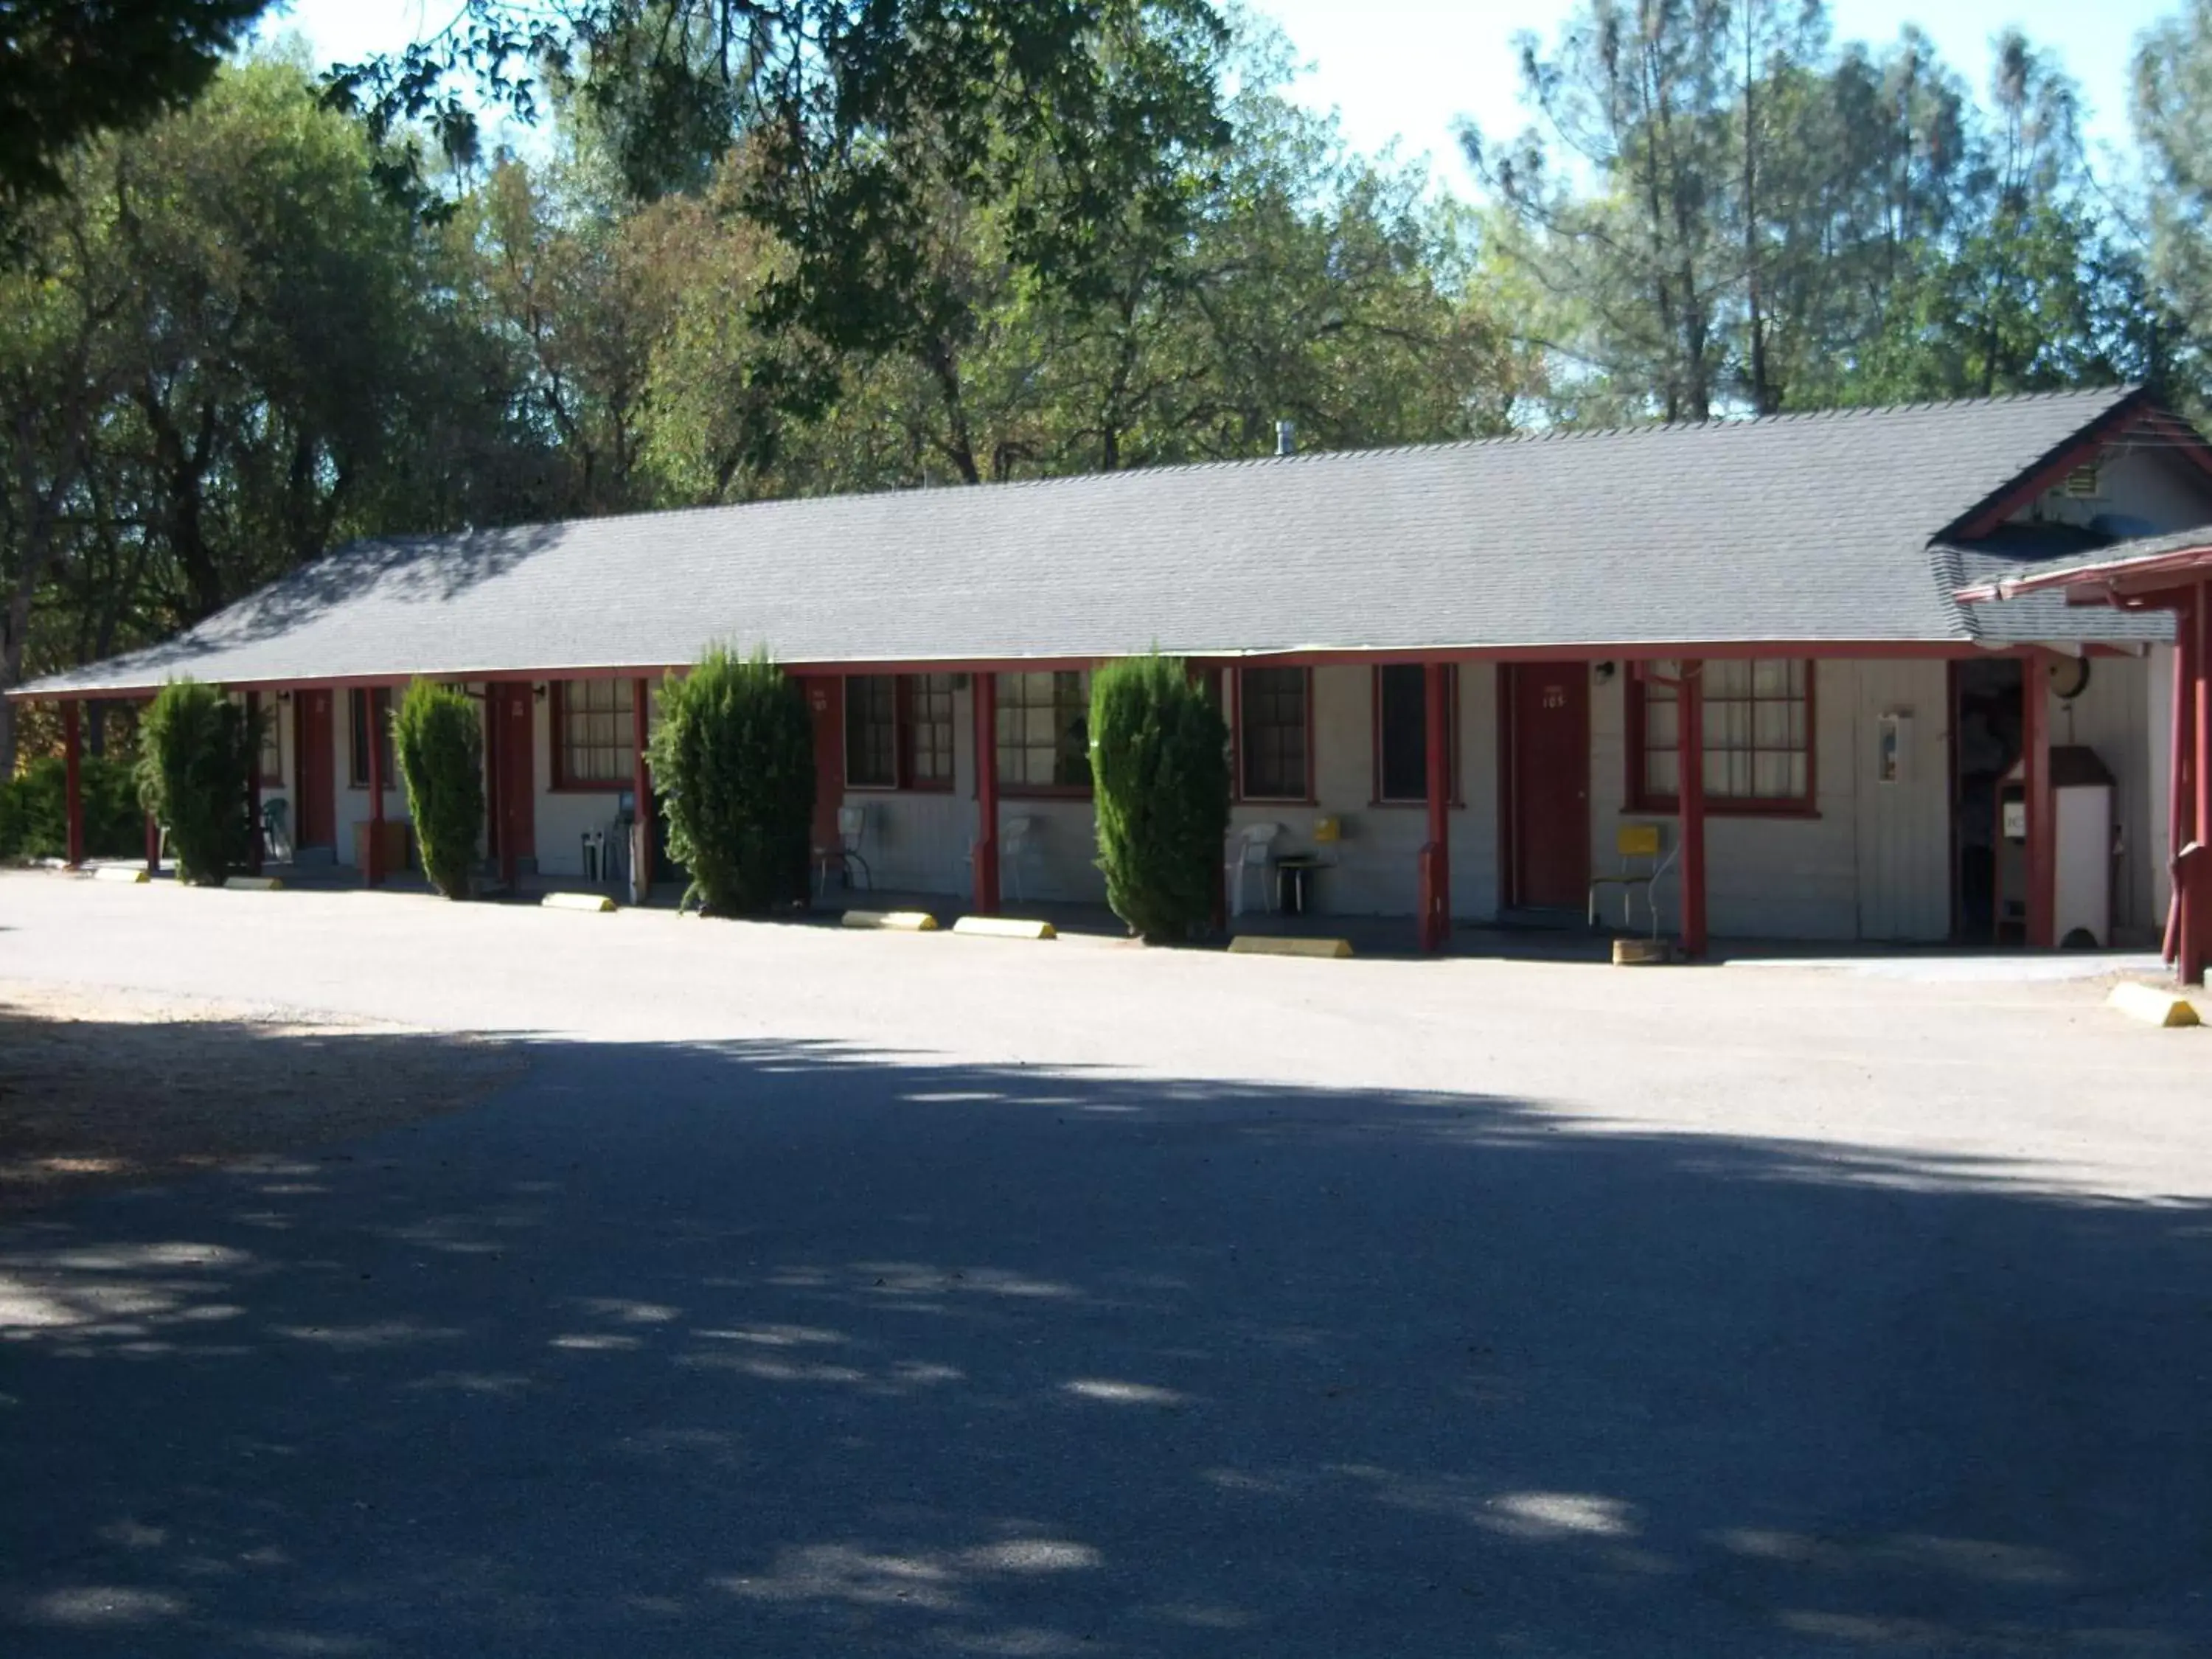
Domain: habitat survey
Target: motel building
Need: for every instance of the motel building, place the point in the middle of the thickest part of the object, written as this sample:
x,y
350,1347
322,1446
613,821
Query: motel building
x,y
1801,669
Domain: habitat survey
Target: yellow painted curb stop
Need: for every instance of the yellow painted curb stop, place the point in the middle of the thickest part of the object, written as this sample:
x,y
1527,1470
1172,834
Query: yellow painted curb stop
x,y
1004,928
135,873
253,884
1641,952
1261,944
2152,1006
897,922
595,903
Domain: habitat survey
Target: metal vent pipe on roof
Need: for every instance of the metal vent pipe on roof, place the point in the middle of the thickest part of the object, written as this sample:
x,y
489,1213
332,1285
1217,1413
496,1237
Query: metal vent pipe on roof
x,y
1286,438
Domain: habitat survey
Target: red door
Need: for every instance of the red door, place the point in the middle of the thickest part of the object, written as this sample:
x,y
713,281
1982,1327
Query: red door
x,y
1548,783
315,805
515,755
825,702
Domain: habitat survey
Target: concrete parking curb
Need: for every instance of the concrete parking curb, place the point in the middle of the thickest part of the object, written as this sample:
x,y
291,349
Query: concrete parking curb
x,y
2154,1006
253,884
593,903
1261,944
119,872
896,921
1004,928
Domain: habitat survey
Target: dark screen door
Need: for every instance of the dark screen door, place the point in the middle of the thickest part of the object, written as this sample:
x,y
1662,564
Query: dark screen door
x,y
1548,726
315,809
517,770
825,704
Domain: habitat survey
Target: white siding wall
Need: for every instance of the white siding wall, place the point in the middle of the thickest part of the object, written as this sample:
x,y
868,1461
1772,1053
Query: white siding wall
x,y
1903,827
2113,717
353,804
2158,725
1873,860
1872,863
918,842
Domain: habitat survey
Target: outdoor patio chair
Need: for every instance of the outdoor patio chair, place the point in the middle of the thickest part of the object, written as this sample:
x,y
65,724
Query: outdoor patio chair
x,y
1645,858
844,857
275,831
1014,849
1252,850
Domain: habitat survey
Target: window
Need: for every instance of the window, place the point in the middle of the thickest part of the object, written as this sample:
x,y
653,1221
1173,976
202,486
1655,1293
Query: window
x,y
272,745
1759,736
358,701
898,730
929,732
594,742
871,746
1044,731
1272,733
1401,732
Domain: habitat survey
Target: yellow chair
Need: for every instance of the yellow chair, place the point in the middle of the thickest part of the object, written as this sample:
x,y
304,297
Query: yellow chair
x,y
1645,858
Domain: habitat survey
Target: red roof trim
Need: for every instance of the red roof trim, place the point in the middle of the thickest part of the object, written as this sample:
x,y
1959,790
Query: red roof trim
x,y
2112,578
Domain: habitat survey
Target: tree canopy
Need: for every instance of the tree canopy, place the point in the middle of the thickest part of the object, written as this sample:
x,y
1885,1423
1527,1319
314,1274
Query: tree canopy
x,y
72,69
771,247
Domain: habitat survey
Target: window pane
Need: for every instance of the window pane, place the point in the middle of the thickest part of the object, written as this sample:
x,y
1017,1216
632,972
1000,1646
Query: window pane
x,y
1404,722
595,728
1271,710
1757,735
1043,728
871,730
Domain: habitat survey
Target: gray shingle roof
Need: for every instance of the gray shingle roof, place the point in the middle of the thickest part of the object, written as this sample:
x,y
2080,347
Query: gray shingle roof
x,y
2028,618
1795,528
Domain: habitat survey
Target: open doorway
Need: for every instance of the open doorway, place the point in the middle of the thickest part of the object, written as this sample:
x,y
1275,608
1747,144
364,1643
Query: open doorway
x,y
1985,726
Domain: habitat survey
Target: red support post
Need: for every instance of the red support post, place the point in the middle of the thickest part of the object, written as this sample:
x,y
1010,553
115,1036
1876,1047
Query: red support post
x,y
1434,929
641,726
73,781
2035,779
1690,794
985,696
2181,801
255,852
372,863
2196,925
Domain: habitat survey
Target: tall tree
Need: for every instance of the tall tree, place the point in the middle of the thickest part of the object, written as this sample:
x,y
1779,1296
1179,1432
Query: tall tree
x,y
72,69
866,127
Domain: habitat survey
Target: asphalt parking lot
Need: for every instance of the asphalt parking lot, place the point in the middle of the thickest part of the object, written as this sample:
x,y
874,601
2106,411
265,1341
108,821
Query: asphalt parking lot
x,y
821,1292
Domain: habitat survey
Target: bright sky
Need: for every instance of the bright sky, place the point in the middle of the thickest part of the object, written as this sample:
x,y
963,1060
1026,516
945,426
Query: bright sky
x,y
1407,69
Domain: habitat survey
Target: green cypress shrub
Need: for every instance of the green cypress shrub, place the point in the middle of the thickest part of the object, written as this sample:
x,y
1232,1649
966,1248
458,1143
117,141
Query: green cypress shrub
x,y
35,809
1160,764
734,763
196,752
439,742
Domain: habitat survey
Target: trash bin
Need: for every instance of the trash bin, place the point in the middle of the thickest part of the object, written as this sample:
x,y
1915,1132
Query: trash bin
x,y
1294,879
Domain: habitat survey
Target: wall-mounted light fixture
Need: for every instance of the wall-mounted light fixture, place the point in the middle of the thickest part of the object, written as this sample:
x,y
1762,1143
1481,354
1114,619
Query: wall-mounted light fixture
x,y
537,690
1602,673
284,697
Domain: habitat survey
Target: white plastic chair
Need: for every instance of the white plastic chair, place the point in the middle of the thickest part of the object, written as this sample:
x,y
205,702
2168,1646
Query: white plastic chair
x,y
1253,850
1014,848
1645,858
844,857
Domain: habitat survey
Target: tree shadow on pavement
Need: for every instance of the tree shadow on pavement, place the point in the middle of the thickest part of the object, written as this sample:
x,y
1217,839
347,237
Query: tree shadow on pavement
x,y
763,1348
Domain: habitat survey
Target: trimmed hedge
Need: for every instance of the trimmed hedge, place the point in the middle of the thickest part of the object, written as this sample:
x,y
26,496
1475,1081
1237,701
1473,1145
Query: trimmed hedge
x,y
733,765
1159,764
439,740
34,810
197,754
